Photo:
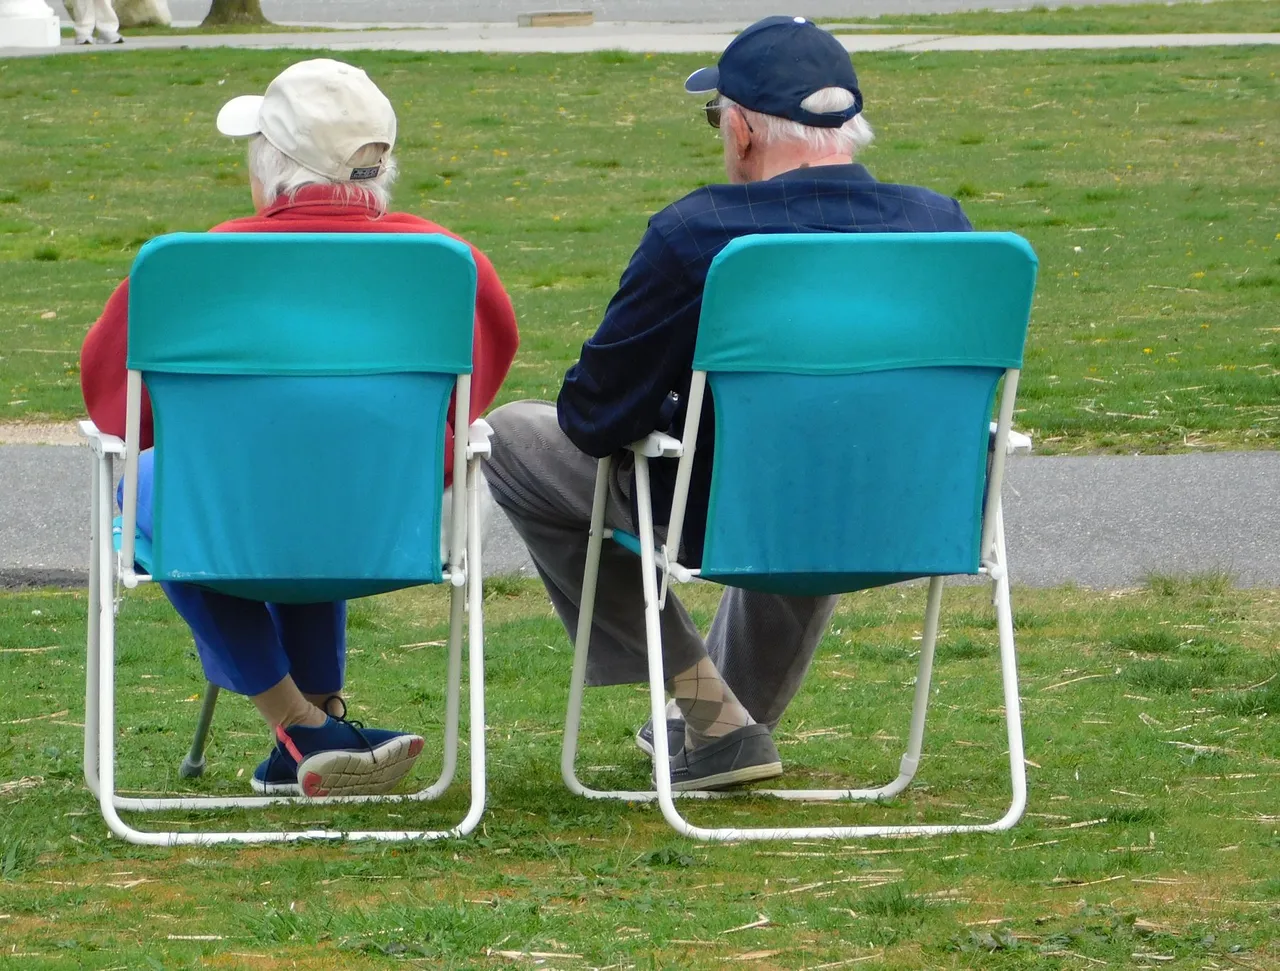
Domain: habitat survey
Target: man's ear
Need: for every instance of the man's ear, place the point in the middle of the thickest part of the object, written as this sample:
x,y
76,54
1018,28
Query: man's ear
x,y
739,133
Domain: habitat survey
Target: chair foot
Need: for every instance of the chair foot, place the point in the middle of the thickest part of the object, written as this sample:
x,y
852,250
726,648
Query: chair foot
x,y
191,769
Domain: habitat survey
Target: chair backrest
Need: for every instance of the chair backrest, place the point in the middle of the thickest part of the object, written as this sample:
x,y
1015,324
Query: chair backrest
x,y
853,377
300,385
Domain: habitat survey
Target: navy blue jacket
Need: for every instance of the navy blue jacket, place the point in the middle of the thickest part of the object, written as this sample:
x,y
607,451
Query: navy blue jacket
x,y
634,373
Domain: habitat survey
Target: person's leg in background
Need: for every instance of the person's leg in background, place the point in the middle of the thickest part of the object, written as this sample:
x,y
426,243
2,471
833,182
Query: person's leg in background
x,y
82,15
92,16
106,22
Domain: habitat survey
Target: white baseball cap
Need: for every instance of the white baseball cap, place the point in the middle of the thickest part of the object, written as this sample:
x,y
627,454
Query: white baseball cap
x,y
319,113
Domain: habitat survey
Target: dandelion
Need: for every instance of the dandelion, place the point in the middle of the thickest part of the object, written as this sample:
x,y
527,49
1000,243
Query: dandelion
x,y
1146,350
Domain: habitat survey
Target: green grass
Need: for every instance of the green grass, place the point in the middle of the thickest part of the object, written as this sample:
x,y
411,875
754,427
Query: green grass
x,y
1216,16
1152,733
1146,181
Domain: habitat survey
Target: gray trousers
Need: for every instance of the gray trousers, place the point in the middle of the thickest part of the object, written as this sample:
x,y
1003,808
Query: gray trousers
x,y
762,644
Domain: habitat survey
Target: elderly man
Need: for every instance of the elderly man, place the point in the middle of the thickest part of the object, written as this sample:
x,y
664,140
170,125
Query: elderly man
x,y
320,142
790,114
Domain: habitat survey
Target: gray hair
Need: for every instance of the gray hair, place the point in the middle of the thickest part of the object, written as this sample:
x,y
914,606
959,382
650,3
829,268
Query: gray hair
x,y
282,176
849,139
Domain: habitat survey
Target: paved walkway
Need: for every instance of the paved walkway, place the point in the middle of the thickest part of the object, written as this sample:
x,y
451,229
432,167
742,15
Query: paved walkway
x,y
638,36
1099,521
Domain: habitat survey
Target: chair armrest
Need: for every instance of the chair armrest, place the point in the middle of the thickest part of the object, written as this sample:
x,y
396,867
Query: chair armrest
x,y
657,445
1018,441
478,436
101,442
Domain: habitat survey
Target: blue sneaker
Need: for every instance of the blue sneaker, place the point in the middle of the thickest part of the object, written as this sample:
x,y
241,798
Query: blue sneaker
x,y
276,775
343,758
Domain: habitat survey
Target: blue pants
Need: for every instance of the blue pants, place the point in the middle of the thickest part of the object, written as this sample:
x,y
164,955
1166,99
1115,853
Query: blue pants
x,y
247,646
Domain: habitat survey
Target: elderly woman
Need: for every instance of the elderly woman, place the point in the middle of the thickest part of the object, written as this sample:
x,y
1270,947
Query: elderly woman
x,y
319,161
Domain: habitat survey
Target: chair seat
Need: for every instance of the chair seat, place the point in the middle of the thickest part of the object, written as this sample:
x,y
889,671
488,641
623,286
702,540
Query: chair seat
x,y
302,590
793,584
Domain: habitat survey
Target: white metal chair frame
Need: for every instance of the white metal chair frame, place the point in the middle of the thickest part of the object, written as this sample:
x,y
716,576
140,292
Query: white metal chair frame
x,y
994,564
464,574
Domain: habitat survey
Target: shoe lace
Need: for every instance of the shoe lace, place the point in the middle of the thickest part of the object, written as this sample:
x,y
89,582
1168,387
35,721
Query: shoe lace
x,y
354,724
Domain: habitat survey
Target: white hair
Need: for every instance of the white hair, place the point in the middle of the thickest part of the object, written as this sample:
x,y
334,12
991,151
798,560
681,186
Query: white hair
x,y
280,175
849,139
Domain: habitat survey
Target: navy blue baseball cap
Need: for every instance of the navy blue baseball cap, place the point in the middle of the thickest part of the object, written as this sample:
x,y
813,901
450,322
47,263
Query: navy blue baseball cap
x,y
775,64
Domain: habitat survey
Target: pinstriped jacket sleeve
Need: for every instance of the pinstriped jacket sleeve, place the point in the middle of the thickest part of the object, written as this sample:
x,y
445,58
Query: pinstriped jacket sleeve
x,y
618,390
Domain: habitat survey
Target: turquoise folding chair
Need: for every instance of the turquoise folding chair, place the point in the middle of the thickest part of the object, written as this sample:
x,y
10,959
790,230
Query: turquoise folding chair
x,y
853,378
270,358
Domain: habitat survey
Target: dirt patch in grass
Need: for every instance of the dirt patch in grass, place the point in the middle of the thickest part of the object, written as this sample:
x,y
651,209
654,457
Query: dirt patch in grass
x,y
40,433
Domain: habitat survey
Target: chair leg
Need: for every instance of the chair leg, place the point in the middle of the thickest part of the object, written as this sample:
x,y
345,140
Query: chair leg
x,y
653,644
192,766
453,692
586,613
99,532
1004,617
915,742
581,644
475,654
111,804
1009,677
106,674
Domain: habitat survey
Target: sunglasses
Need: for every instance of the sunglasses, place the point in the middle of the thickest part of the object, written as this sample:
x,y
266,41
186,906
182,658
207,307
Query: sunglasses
x,y
715,111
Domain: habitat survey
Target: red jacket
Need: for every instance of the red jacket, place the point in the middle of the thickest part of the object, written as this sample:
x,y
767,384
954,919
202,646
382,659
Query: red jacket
x,y
314,209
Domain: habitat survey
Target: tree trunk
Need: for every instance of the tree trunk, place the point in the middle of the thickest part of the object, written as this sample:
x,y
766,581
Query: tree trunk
x,y
143,13
224,12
